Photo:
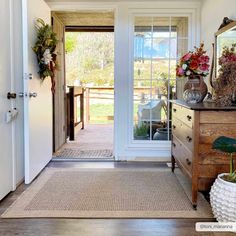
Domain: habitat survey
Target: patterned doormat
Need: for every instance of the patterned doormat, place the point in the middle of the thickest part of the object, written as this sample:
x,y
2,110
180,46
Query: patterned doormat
x,y
69,153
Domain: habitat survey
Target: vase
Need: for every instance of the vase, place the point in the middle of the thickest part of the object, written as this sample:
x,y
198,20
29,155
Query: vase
x,y
161,134
223,200
196,87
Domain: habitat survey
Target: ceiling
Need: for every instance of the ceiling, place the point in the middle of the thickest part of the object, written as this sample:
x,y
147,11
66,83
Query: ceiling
x,y
86,18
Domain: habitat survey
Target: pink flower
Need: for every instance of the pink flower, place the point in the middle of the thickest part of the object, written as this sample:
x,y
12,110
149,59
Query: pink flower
x,y
187,56
234,57
204,59
204,67
180,71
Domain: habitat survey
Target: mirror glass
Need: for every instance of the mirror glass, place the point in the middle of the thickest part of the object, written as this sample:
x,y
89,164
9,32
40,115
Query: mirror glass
x,y
225,37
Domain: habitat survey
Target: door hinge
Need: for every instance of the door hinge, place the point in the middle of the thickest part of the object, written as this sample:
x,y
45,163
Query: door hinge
x,y
28,76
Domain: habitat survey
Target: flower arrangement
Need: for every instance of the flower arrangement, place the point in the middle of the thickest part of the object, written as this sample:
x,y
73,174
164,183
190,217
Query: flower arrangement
x,y
44,49
193,63
225,84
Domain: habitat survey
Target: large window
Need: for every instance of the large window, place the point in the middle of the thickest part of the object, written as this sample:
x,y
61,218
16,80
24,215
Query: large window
x,y
158,43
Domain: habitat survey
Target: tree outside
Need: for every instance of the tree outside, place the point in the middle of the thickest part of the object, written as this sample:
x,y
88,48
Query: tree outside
x,y
90,58
90,62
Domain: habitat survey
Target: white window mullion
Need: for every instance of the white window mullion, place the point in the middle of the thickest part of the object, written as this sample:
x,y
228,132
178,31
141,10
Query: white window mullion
x,y
168,87
151,79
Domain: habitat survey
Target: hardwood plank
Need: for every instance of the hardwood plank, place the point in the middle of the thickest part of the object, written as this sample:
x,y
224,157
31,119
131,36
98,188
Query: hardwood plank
x,y
211,171
218,117
209,156
209,132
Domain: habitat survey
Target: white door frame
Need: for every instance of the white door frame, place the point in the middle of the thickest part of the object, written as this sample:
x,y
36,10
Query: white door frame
x,y
73,6
124,147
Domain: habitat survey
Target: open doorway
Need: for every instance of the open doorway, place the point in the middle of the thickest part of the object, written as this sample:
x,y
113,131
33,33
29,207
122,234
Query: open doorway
x,y
89,83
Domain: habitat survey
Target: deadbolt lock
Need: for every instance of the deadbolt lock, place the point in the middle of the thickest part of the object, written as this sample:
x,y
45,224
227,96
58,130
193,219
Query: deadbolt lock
x,y
11,95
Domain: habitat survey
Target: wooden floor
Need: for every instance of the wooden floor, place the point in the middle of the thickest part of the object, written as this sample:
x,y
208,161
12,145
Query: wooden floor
x,y
98,136
96,227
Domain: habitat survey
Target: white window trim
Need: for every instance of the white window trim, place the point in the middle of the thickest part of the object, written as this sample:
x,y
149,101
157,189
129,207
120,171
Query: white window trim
x,y
151,145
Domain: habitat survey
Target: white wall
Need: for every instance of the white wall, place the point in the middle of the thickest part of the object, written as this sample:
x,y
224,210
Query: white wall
x,y
212,14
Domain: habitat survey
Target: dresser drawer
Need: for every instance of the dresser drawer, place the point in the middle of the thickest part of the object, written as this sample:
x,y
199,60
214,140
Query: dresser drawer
x,y
187,116
183,133
176,111
182,155
183,114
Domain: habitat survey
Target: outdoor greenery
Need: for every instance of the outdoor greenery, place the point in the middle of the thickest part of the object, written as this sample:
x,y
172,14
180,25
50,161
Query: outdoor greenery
x,y
90,61
90,58
141,130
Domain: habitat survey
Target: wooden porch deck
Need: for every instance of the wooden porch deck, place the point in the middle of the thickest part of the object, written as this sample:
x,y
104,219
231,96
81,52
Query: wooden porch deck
x,y
94,138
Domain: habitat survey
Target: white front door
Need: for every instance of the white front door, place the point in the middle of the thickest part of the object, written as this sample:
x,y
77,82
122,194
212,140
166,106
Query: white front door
x,y
6,105
38,109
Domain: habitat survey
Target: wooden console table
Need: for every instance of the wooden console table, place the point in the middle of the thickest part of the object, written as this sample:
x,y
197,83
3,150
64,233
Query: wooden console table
x,y
194,128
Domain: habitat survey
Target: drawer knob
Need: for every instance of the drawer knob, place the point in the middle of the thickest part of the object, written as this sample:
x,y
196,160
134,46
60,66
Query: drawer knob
x,y
189,117
188,162
174,109
174,127
189,139
174,145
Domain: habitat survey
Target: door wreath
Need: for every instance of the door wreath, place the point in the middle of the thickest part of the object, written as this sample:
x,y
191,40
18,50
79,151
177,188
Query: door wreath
x,y
44,49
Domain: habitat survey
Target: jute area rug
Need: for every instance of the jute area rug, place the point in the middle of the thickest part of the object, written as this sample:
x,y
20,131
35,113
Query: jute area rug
x,y
108,193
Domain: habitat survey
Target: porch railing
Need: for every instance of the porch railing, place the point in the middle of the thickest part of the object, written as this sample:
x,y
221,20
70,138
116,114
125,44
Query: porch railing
x,y
99,100
104,97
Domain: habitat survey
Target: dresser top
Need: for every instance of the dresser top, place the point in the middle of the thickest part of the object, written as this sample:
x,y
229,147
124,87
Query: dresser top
x,y
202,106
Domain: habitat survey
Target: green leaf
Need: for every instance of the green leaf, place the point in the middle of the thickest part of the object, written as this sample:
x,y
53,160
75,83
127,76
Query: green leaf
x,y
225,144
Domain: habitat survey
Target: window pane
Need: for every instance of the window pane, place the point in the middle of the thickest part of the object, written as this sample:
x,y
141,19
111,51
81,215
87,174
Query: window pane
x,y
158,43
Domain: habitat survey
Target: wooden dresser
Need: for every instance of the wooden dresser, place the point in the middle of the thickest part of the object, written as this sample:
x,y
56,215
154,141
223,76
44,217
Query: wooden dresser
x,y
194,128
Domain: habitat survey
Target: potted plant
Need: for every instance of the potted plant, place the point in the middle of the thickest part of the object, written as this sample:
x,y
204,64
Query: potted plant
x,y
223,191
141,132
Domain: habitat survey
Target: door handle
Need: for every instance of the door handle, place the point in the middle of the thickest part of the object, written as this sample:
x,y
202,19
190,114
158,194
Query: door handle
x,y
11,95
33,94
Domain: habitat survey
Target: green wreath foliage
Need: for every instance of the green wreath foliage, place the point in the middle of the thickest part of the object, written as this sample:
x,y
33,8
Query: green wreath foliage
x,y
46,40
